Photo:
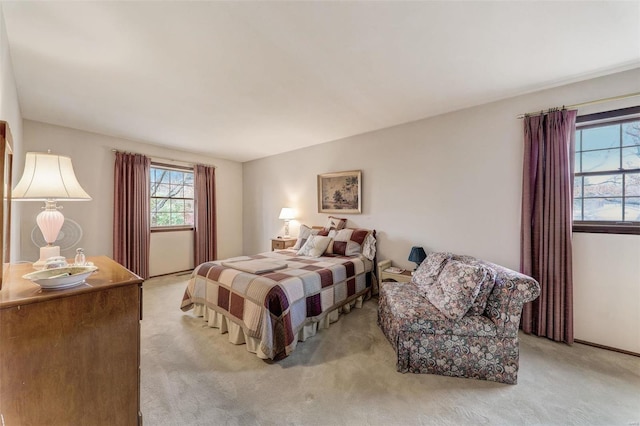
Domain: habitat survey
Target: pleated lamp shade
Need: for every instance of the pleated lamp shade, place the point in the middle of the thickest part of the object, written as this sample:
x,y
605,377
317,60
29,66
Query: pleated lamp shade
x,y
48,178
417,255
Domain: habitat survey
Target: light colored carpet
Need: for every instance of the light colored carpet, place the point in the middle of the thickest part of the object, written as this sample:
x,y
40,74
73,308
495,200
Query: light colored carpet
x,y
191,375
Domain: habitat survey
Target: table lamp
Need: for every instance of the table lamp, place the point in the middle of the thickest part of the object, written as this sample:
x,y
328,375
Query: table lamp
x,y
287,214
417,255
48,178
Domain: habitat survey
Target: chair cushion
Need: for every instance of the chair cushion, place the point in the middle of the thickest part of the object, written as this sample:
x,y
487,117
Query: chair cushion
x,y
456,288
486,288
402,307
428,271
479,305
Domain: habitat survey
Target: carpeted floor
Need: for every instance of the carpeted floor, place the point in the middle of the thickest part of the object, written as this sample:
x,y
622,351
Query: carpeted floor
x,y
346,375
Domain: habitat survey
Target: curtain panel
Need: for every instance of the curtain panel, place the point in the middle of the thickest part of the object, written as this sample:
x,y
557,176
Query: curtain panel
x,y
131,222
547,215
205,249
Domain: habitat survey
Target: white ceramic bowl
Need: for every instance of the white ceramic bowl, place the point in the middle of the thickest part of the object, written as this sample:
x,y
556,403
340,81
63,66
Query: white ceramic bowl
x,y
58,278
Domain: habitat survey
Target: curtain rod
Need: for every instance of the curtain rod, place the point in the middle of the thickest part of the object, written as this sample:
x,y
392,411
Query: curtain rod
x,y
163,159
597,101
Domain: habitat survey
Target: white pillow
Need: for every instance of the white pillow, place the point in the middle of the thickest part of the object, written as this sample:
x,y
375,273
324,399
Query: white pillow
x,y
303,234
336,223
315,246
369,247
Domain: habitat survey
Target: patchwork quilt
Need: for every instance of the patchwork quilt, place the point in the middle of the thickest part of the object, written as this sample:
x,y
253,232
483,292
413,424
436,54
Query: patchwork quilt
x,y
274,305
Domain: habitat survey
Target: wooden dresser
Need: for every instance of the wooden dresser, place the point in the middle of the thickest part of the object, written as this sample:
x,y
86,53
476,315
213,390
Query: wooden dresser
x,y
72,356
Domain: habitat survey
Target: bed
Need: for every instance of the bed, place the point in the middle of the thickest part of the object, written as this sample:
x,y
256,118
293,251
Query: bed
x,y
272,300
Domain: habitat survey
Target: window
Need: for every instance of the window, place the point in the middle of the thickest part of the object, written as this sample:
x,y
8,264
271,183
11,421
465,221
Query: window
x,y
171,190
606,192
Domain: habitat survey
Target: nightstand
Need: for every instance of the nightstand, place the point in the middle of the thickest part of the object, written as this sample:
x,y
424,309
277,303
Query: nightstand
x,y
282,243
403,277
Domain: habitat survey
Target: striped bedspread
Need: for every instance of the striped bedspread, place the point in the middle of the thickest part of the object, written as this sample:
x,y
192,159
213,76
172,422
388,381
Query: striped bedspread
x,y
275,305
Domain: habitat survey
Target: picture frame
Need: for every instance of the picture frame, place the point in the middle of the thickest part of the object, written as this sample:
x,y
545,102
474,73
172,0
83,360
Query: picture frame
x,y
340,192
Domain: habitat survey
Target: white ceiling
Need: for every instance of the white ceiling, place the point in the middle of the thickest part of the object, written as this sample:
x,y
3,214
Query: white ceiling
x,y
244,80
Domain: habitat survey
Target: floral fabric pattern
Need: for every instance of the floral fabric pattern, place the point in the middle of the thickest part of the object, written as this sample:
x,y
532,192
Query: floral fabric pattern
x,y
479,305
428,271
480,346
456,288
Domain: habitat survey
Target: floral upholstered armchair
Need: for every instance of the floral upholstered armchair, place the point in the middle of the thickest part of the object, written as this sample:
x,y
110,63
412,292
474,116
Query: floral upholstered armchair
x,y
459,316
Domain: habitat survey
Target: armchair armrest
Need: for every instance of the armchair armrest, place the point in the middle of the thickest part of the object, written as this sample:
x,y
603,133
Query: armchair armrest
x,y
510,292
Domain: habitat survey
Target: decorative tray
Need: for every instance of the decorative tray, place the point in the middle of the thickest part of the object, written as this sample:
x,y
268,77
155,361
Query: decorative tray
x,y
59,278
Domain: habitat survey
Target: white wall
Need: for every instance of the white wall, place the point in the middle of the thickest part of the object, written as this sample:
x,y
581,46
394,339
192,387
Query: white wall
x,y
9,105
170,252
451,182
93,162
607,289
10,112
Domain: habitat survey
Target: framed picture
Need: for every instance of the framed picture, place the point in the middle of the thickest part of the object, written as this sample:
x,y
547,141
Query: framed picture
x,y
340,192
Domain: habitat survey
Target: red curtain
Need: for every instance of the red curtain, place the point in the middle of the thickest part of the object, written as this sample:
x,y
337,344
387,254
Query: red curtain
x,y
205,214
131,222
547,210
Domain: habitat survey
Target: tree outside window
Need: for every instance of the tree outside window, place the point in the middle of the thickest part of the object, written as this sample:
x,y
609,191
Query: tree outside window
x,y
607,174
171,192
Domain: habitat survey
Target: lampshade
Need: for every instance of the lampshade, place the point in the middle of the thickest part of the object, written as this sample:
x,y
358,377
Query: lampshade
x,y
417,255
48,177
287,213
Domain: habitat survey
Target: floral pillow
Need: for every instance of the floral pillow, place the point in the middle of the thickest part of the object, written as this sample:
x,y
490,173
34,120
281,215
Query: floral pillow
x,y
456,288
315,246
303,234
486,288
428,271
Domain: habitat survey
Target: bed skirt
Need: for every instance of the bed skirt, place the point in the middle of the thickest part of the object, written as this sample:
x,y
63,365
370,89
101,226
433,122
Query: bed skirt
x,y
237,336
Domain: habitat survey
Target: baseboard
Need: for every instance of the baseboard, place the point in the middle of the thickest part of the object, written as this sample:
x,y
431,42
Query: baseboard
x,y
609,348
177,274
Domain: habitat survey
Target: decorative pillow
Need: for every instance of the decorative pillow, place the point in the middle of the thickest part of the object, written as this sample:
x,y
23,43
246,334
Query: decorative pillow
x,y
429,269
315,246
331,234
303,234
369,246
486,288
335,223
348,242
456,288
